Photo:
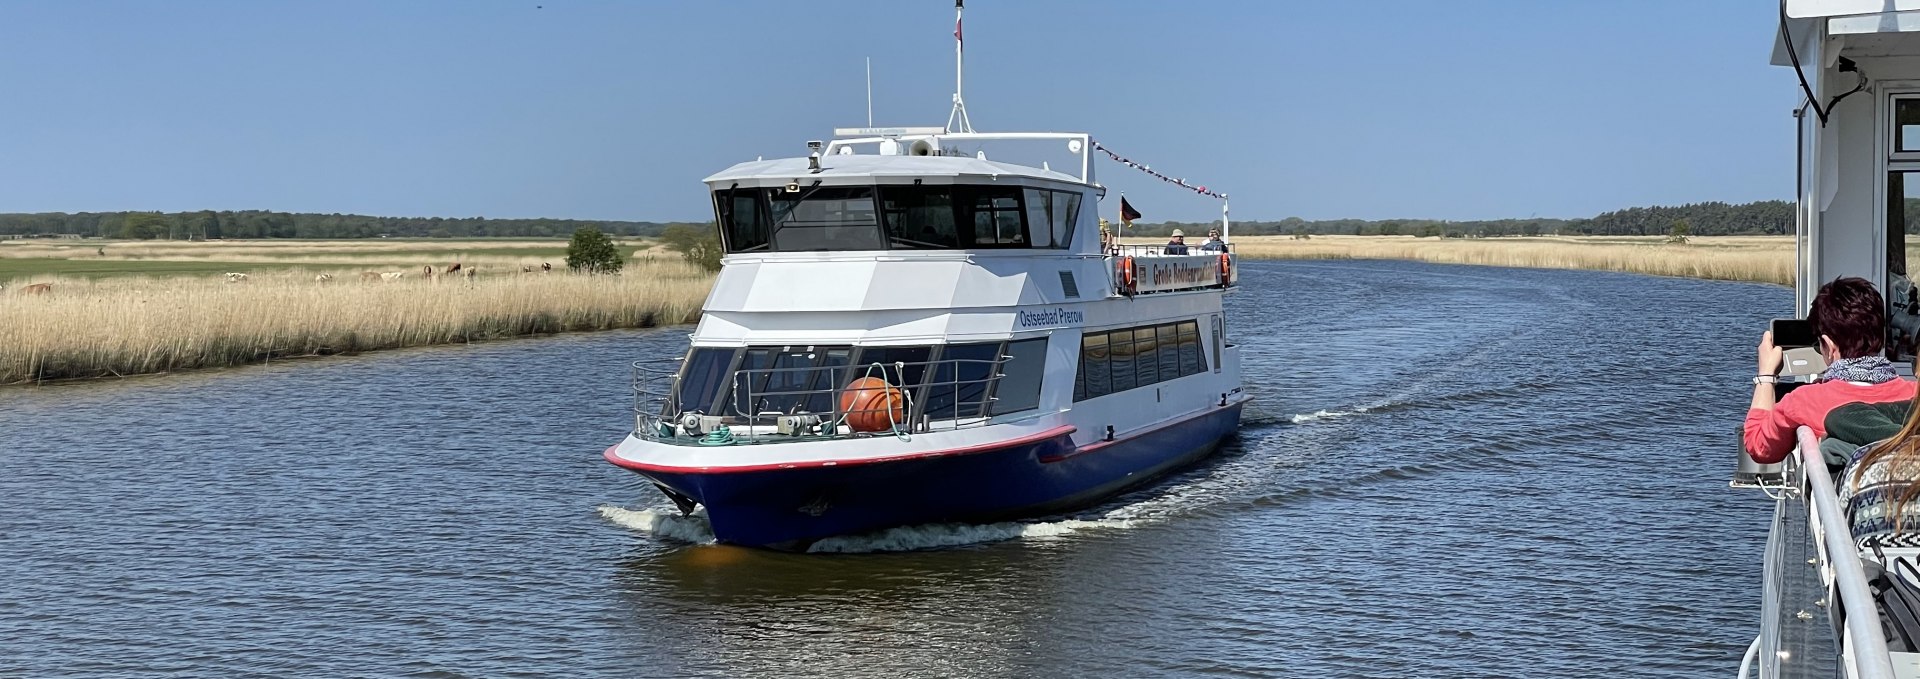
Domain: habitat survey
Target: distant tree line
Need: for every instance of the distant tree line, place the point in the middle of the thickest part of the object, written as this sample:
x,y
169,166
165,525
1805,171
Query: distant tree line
x,y
1772,217
265,224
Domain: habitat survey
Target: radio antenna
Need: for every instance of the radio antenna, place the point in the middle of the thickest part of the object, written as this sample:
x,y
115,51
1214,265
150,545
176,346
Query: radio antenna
x,y
959,114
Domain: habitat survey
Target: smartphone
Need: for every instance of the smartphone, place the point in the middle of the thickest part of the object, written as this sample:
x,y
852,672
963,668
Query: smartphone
x,y
1791,332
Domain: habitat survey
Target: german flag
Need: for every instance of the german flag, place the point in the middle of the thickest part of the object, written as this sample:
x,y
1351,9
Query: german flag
x,y
1127,213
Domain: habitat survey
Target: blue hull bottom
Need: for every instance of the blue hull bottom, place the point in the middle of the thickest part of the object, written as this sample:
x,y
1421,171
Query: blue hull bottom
x,y
790,508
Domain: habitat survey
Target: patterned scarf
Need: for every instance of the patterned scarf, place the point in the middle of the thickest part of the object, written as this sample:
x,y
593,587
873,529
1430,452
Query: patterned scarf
x,y
1868,369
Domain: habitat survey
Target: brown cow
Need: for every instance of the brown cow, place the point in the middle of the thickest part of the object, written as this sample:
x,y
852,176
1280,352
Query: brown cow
x,y
452,268
428,271
37,289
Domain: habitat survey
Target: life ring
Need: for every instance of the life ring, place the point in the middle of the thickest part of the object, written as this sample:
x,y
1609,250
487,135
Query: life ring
x,y
1226,270
1126,275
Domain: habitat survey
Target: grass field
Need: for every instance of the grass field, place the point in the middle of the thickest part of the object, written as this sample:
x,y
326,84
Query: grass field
x,y
158,307
1759,259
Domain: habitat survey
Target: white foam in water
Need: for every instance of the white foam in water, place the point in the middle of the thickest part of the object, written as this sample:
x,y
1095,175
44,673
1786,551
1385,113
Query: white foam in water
x,y
933,535
1332,414
662,522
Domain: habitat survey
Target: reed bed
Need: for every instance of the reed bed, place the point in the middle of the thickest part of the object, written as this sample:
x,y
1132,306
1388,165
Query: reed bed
x,y
1753,259
136,325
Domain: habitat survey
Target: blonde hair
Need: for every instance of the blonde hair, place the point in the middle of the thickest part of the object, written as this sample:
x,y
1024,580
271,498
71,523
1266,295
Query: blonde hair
x,y
1901,455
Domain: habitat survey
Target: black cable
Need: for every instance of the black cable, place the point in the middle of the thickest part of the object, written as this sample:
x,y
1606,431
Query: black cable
x,y
1848,65
1786,36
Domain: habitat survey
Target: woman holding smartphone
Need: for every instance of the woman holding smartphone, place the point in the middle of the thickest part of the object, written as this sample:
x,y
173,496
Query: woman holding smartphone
x,y
1849,320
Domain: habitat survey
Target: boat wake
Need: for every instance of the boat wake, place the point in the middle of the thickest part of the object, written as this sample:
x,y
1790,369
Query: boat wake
x,y
670,524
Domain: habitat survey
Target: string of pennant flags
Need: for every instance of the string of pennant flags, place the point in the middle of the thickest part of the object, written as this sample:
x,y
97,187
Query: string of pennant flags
x,y
1182,183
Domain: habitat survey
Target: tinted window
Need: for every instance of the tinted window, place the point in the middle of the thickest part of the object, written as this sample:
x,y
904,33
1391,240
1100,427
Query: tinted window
x,y
994,214
742,221
1066,209
701,377
1093,366
1039,209
1019,387
1146,361
901,366
1167,348
1120,356
1192,360
959,386
919,216
831,218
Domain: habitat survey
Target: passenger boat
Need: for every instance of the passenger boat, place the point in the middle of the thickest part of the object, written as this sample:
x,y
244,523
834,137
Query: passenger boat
x,y
1858,145
908,327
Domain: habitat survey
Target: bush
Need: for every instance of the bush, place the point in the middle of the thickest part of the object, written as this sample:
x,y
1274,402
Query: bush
x,y
699,247
593,252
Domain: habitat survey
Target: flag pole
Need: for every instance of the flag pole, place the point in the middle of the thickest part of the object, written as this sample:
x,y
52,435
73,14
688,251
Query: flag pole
x,y
1226,226
959,114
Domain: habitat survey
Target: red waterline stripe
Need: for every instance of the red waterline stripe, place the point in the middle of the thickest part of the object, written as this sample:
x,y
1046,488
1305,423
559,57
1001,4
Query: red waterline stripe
x,y
1056,432
1098,445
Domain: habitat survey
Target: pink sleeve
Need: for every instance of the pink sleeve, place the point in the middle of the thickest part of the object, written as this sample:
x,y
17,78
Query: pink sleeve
x,y
1768,434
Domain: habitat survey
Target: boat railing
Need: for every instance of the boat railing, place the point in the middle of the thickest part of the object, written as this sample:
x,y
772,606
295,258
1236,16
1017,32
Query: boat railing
x,y
1143,269
766,405
1812,564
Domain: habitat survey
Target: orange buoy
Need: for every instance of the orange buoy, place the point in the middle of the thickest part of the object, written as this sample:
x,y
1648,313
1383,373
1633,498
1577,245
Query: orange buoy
x,y
871,404
1226,270
1126,275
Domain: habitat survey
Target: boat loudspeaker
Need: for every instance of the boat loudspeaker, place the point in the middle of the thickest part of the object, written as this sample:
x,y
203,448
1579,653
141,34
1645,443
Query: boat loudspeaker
x,y
923,147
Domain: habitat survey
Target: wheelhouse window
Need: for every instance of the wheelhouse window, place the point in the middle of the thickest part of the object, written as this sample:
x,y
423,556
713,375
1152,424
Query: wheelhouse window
x,y
828,218
995,215
919,217
743,219
895,216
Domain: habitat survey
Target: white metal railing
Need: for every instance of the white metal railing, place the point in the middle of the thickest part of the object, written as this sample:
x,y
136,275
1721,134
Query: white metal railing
x,y
1865,641
946,396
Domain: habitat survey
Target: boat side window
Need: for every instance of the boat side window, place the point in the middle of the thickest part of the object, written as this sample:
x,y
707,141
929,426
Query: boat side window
x,y
701,376
1018,388
1066,209
1902,224
824,218
1128,358
1193,361
1039,205
1093,380
743,219
1120,356
959,386
995,215
919,217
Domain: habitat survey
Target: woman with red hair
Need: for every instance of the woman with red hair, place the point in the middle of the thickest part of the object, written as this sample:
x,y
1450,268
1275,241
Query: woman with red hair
x,y
1849,317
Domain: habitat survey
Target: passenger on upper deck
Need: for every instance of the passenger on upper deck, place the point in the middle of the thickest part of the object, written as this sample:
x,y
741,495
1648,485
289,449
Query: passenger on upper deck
x,y
1178,245
1214,244
1879,486
1849,318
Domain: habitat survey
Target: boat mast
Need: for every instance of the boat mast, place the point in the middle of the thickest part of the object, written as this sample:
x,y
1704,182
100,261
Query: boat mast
x,y
959,113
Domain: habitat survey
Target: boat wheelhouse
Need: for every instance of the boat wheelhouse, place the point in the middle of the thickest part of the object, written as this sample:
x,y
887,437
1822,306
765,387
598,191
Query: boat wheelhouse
x,y
906,330
1857,189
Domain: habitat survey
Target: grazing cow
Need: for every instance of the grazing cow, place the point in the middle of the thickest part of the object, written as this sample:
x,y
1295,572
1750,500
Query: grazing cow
x,y
469,272
452,268
233,277
391,276
369,275
526,269
428,271
322,278
546,267
37,289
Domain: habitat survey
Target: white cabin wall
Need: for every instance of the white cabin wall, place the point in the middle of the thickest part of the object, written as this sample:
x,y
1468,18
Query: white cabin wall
x,y
1848,230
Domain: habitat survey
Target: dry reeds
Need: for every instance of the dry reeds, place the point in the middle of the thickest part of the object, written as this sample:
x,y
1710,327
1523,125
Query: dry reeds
x,y
130,326
1755,259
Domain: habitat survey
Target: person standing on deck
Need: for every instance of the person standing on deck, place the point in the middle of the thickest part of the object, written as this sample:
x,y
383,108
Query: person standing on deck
x,y
1849,318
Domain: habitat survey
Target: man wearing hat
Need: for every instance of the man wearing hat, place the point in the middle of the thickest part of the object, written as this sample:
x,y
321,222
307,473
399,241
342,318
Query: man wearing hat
x,y
1178,245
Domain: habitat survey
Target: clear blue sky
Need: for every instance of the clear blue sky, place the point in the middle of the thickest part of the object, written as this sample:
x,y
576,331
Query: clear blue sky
x,y
604,110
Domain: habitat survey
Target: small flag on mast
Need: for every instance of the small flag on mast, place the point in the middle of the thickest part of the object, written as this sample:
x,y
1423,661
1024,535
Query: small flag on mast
x,y
1127,213
956,23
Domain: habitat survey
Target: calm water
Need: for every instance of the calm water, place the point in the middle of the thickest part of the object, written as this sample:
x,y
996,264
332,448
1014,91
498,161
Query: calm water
x,y
1450,471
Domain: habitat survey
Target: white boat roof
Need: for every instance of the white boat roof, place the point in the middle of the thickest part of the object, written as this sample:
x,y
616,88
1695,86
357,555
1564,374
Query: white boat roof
x,y
859,165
